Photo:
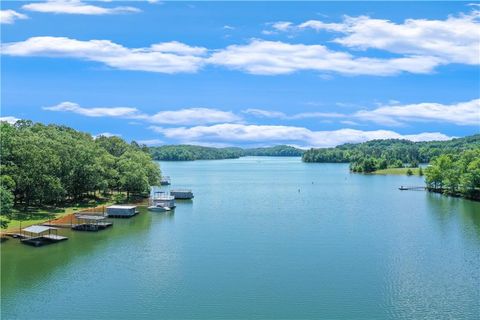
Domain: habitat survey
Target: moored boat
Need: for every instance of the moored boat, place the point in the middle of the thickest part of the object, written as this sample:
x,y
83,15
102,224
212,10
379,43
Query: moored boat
x,y
159,208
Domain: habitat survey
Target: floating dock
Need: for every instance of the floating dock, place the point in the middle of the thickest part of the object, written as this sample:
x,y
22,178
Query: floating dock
x,y
37,236
88,222
121,211
162,199
182,194
415,188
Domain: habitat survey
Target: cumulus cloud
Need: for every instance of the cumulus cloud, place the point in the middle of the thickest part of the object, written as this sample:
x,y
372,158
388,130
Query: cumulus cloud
x,y
9,119
188,116
276,57
280,115
75,7
94,112
463,113
193,116
9,16
169,57
453,40
241,133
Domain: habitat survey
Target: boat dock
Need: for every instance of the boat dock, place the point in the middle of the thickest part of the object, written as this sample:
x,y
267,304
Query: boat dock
x,y
121,211
37,236
415,188
88,222
182,194
163,199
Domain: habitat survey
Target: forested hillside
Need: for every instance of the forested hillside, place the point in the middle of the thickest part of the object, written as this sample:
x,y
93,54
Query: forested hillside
x,y
276,151
190,152
380,154
455,174
51,164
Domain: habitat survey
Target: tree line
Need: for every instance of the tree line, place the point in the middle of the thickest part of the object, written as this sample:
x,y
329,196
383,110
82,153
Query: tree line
x,y
191,152
53,164
389,153
456,174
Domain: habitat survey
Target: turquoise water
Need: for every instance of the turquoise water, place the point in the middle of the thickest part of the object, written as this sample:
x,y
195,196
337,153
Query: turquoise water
x,y
264,238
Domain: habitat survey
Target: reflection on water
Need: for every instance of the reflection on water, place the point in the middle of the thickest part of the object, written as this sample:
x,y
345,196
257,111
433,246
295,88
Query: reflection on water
x,y
263,238
448,211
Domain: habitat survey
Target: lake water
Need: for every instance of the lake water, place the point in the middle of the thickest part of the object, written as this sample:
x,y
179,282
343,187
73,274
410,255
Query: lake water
x,y
264,238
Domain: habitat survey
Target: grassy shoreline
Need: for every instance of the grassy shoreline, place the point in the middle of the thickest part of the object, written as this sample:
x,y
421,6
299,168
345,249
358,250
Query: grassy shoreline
x,y
397,171
41,215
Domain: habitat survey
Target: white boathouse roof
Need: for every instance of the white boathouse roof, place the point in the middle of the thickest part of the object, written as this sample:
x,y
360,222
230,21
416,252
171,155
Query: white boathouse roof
x,y
121,207
38,229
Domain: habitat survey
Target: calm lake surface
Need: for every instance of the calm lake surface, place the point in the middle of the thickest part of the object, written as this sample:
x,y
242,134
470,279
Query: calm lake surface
x,y
263,238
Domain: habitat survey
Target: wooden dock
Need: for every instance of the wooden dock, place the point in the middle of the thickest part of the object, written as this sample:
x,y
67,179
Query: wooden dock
x,y
37,235
43,240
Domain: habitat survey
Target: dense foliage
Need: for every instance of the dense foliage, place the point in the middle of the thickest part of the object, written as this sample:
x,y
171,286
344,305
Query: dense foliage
x,y
455,174
189,152
276,151
391,153
51,164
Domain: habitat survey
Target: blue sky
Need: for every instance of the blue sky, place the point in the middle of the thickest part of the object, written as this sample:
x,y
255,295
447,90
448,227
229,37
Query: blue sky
x,y
244,73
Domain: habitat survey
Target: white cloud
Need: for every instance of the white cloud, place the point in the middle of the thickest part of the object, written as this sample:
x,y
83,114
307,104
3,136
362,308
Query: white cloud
x,y
349,122
463,113
178,48
264,113
9,119
75,7
9,16
275,57
394,114
282,25
193,116
95,112
170,57
280,115
453,40
242,133
188,116
228,27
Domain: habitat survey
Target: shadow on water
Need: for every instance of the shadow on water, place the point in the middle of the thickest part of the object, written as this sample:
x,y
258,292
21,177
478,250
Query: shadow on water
x,y
447,209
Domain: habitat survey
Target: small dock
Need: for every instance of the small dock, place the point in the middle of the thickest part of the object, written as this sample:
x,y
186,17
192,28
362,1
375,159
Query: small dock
x,y
122,211
162,199
37,236
182,194
87,222
414,188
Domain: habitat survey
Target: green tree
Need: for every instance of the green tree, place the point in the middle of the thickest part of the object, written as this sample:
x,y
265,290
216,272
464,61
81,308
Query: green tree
x,y
6,205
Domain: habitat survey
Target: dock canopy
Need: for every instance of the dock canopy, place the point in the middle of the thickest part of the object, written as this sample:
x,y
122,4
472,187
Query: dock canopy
x,y
38,229
121,207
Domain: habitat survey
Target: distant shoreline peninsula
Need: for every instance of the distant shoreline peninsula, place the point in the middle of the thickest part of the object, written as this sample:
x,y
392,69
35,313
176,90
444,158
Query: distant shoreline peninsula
x,y
192,152
453,165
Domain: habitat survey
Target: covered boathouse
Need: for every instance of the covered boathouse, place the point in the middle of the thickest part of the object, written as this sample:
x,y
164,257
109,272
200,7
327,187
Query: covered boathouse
x,y
40,235
90,222
121,211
